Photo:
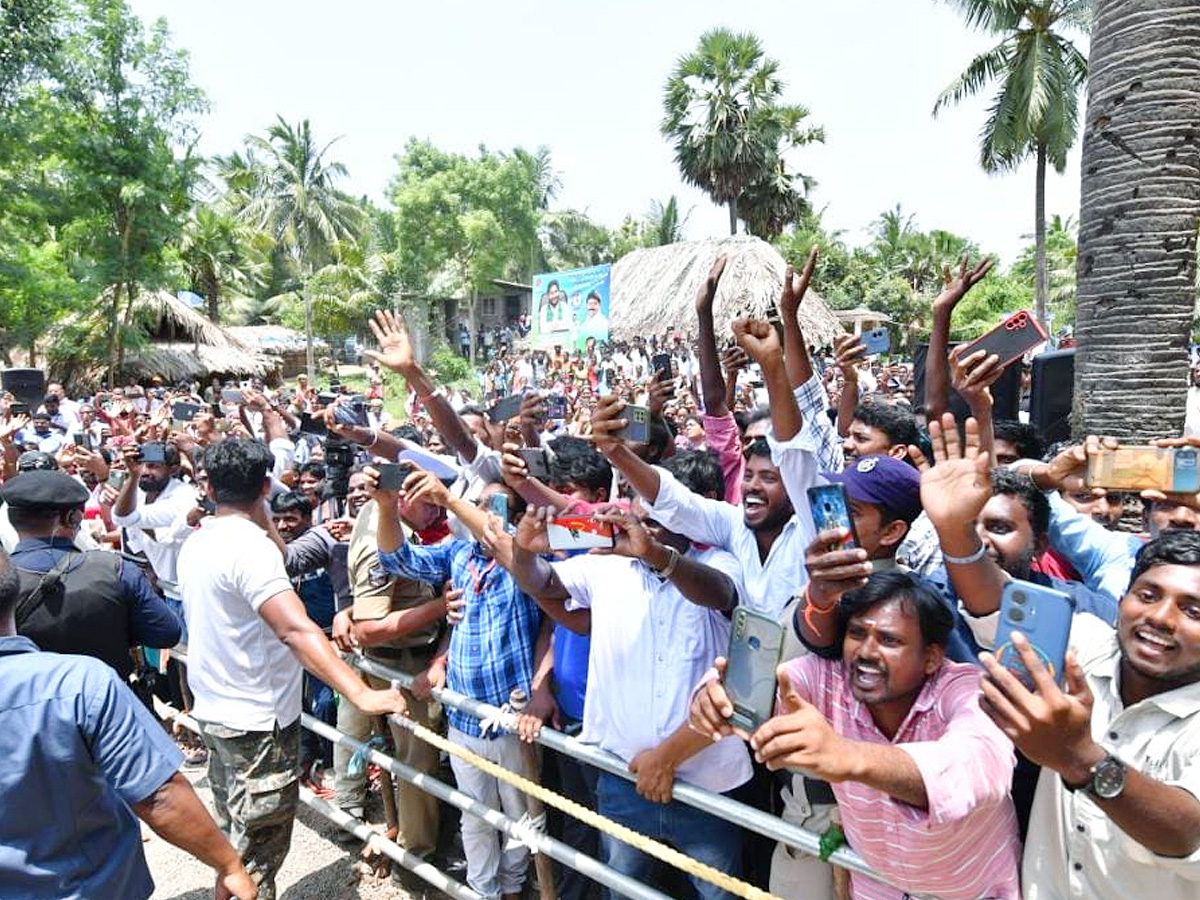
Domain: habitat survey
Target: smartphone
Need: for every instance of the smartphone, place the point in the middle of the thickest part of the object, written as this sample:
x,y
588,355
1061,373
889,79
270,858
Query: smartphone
x,y
152,453
755,646
1044,616
556,406
877,340
1138,468
579,533
17,408
182,411
1010,339
830,508
536,463
116,477
233,395
498,506
79,438
661,362
353,412
506,408
311,425
208,506
638,429
392,475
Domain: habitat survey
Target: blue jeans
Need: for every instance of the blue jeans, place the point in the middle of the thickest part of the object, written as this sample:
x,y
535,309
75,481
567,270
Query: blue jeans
x,y
701,836
319,702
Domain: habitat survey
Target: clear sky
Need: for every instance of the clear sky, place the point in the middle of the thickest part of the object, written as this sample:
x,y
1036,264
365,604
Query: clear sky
x,y
586,80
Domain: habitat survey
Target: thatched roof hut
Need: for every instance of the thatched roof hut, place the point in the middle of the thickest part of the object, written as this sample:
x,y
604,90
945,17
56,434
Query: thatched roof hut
x,y
182,345
655,289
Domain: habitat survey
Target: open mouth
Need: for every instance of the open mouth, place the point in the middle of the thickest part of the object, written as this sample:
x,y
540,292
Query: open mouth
x,y
1152,642
867,677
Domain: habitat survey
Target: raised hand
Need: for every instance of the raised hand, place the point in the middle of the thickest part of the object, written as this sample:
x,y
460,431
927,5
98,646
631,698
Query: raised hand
x,y
956,287
531,530
848,352
395,350
972,376
606,421
711,708
832,569
633,540
733,360
708,290
758,338
796,286
422,485
956,489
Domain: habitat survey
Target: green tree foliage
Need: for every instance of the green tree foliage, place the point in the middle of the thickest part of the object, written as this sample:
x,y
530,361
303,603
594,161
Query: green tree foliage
x,y
731,131
1037,73
1061,253
225,257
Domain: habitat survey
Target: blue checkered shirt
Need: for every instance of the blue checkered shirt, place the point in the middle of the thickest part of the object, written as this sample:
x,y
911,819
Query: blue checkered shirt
x,y
491,649
814,407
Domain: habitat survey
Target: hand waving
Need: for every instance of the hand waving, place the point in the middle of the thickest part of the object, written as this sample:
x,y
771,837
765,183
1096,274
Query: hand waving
x,y
955,490
395,350
956,287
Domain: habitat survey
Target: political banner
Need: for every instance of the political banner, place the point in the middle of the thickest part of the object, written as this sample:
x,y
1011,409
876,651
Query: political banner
x,y
570,309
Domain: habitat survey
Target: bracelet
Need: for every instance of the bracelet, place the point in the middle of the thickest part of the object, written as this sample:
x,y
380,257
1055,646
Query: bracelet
x,y
966,560
374,438
672,564
810,608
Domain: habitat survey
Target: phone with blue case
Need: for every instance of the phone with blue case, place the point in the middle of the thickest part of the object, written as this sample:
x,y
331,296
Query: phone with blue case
x,y
1044,616
831,509
877,340
755,646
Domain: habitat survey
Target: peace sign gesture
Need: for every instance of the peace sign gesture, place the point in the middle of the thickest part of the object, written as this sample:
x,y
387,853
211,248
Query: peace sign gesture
x,y
956,287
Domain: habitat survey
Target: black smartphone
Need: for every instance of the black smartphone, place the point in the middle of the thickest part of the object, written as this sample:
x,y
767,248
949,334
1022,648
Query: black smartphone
x,y
506,408
152,453
638,429
182,411
661,362
392,475
311,425
80,438
18,409
208,506
536,463
1010,339
556,406
351,412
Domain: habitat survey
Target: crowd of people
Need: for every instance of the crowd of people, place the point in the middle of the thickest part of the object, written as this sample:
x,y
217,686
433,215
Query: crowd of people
x,y
276,532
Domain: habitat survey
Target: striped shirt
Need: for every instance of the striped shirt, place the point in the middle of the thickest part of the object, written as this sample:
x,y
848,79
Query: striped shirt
x,y
965,846
491,649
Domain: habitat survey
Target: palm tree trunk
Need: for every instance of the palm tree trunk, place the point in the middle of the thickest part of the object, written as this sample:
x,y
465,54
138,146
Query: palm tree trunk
x,y
1041,284
214,307
114,329
309,362
733,215
1139,210
472,329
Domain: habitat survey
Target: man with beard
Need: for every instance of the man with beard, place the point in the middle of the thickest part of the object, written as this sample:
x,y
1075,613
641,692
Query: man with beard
x,y
151,510
1117,809
396,621
921,775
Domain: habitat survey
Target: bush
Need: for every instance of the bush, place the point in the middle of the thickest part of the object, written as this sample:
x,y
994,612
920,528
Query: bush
x,y
450,367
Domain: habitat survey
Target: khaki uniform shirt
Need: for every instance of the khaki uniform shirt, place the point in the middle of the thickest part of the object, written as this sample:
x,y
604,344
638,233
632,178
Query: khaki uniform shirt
x,y
376,593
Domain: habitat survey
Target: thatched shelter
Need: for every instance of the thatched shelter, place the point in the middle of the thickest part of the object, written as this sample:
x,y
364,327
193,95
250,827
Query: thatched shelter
x,y
655,289
181,345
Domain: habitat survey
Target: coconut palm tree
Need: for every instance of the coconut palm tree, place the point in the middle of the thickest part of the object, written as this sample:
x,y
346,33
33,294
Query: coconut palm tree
x,y
1038,73
664,224
295,199
726,119
224,257
1139,210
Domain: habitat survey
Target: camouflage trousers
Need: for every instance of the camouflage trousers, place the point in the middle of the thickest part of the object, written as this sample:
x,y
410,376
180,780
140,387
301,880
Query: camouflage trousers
x,y
255,780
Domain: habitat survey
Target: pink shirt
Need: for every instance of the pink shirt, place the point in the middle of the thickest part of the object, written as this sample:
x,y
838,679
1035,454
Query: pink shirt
x,y
965,846
722,437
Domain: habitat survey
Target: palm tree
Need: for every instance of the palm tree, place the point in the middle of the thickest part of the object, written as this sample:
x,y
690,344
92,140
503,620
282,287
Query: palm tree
x,y
726,119
223,256
1139,211
664,224
1035,110
296,201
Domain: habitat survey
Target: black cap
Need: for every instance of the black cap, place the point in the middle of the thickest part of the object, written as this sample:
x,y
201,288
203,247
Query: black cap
x,y
42,489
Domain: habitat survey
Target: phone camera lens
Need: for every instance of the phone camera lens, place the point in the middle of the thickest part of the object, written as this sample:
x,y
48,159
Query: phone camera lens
x,y
1016,615
1019,598
754,643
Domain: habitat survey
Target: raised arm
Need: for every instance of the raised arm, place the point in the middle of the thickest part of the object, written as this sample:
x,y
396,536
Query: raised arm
x,y
937,396
972,378
396,353
760,341
711,383
799,366
536,577
848,353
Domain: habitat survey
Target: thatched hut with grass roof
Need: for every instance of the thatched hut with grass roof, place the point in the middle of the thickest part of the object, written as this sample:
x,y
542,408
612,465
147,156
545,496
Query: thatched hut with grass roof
x,y
655,289
178,344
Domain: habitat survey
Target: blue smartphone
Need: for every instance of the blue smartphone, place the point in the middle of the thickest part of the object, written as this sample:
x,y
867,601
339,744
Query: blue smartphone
x,y
498,504
1186,474
755,646
831,509
877,340
1044,616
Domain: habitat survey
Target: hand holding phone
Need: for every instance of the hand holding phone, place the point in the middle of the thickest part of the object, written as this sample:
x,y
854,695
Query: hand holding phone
x,y
536,464
1044,616
506,408
637,431
1009,340
579,533
755,646
830,508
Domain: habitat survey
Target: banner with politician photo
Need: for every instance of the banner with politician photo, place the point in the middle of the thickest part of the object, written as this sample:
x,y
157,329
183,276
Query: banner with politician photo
x,y
570,309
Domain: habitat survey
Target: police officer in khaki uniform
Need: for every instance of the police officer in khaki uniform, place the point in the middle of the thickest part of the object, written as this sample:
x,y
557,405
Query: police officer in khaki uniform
x,y
397,622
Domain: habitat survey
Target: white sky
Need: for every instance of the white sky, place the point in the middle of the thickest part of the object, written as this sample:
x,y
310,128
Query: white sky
x,y
586,80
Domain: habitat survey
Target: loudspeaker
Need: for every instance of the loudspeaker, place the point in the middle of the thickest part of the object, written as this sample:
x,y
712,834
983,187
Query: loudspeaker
x,y
1052,394
1006,392
26,385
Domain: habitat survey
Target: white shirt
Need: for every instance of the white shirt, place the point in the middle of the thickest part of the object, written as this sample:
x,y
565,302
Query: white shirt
x,y
242,675
650,646
769,584
165,518
1073,850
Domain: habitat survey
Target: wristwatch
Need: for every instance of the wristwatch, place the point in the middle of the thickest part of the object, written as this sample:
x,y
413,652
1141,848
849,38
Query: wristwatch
x,y
1107,779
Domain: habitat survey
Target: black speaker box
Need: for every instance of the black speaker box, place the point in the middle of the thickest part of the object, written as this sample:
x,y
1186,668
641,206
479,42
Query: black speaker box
x,y
1052,393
